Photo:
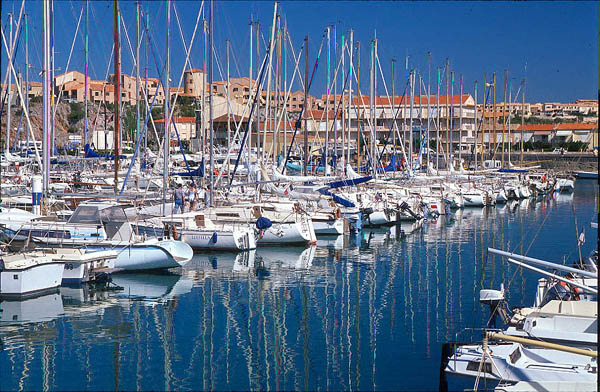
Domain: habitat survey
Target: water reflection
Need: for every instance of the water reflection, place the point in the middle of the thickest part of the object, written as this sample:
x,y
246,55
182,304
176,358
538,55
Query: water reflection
x,y
367,311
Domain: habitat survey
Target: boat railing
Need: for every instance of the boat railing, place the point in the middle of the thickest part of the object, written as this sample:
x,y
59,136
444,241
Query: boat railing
x,y
471,330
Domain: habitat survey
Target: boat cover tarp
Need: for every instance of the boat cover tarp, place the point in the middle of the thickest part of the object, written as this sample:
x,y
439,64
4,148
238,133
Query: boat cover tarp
x,y
337,199
263,223
198,172
89,153
513,170
349,182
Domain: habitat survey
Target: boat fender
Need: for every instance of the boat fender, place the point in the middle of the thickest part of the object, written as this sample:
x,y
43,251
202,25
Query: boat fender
x,y
338,213
174,234
213,239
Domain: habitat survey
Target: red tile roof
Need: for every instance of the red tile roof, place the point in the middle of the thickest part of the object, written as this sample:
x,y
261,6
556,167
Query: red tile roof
x,y
576,126
178,120
418,100
321,115
537,127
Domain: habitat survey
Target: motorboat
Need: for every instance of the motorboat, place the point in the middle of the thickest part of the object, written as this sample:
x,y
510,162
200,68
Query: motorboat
x,y
100,225
29,274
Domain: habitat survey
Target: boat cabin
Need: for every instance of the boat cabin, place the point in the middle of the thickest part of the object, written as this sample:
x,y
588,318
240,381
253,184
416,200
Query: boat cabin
x,y
110,217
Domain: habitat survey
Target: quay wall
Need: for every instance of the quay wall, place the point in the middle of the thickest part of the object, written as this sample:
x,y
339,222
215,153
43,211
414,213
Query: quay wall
x,y
567,162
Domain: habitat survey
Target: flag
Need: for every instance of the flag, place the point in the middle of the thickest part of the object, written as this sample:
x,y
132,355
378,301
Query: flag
x,y
581,239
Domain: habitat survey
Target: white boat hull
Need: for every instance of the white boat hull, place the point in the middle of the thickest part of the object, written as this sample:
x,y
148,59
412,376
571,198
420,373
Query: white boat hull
x,y
331,227
31,280
236,240
158,255
474,200
300,232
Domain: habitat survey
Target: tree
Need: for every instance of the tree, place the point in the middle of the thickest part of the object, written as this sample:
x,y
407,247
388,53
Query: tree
x,y
129,121
76,114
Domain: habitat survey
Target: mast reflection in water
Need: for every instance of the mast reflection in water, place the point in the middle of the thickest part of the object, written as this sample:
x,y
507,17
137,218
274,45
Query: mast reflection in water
x,y
362,312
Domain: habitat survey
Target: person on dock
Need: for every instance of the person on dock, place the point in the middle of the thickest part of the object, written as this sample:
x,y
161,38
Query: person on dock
x,y
192,195
179,198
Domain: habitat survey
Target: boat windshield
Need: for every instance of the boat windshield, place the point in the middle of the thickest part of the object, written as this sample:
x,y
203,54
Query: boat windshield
x,y
113,214
16,190
93,214
85,214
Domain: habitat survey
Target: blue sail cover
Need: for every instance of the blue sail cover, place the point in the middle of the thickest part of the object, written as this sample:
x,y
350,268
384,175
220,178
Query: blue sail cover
x,y
513,170
355,181
89,153
337,199
198,172
393,166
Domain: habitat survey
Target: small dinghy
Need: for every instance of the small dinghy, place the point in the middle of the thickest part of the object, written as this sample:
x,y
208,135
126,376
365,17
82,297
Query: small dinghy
x,y
29,274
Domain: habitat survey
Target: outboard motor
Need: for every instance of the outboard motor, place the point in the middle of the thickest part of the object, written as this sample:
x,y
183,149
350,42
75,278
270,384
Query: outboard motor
x,y
405,207
494,299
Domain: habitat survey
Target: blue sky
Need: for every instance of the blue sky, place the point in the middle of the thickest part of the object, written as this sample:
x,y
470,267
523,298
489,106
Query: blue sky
x,y
553,44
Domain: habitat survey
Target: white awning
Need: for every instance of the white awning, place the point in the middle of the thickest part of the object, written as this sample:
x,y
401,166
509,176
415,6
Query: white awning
x,y
563,133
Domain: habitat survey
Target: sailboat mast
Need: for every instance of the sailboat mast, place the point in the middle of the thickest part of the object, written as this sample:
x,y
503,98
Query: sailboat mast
x,y
335,123
411,75
437,141
343,158
52,103
85,94
522,119
375,153
451,114
137,72
210,104
167,113
393,113
305,168
250,95
460,125
504,118
476,136
269,77
46,108
203,103
360,104
147,29
325,152
372,108
428,105
494,115
27,70
509,113
10,58
349,93
117,79
227,107
484,134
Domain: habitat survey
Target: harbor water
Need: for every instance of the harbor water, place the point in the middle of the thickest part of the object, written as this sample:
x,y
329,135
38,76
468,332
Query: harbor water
x,y
364,312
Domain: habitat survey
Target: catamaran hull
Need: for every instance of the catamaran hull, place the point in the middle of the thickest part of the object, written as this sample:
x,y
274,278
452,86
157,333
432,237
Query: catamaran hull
x,y
162,255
